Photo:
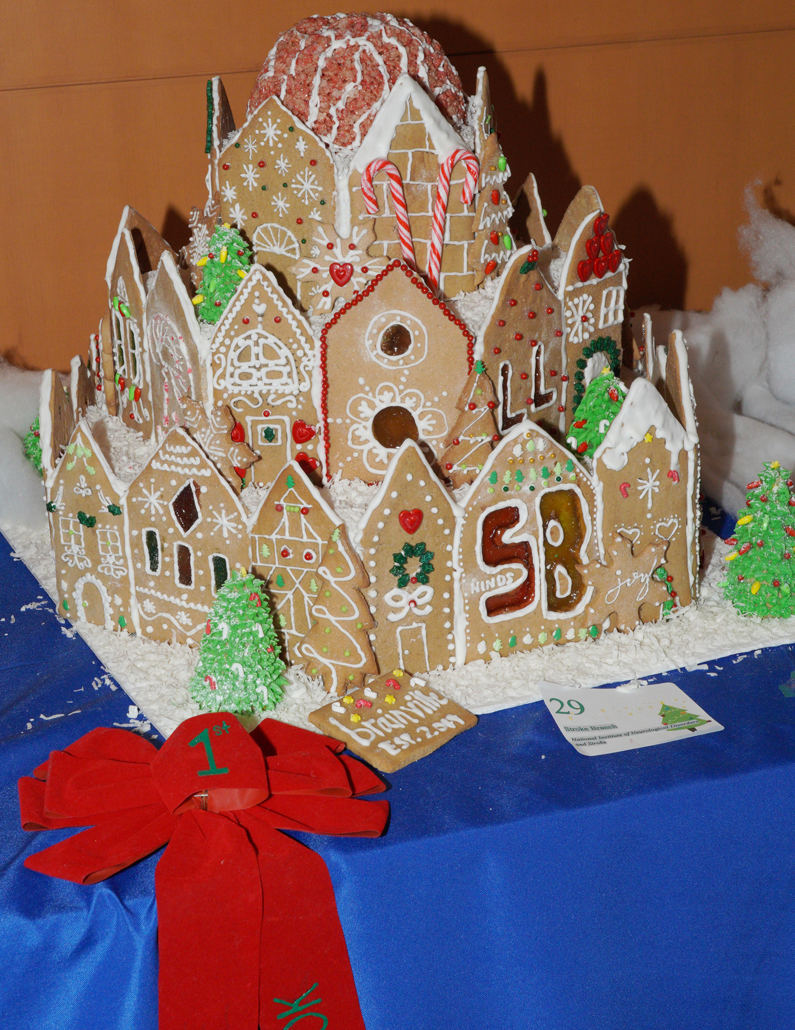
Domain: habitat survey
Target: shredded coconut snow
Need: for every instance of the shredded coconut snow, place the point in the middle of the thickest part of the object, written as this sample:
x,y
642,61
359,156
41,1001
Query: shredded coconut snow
x,y
155,675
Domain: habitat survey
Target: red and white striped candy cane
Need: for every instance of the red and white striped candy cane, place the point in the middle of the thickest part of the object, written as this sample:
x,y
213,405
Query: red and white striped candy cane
x,y
440,205
380,164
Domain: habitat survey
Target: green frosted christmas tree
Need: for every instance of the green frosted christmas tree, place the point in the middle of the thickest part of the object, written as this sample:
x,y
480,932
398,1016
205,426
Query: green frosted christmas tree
x,y
679,719
226,263
239,668
599,406
32,445
761,573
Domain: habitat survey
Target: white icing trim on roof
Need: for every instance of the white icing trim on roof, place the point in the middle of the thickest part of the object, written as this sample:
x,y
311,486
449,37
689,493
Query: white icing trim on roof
x,y
376,143
643,407
114,250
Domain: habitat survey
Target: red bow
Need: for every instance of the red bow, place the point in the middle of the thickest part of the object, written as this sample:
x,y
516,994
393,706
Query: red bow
x,y
247,923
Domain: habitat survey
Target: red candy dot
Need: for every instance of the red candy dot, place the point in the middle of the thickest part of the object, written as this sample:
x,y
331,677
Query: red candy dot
x,y
254,214
276,318
518,336
523,375
261,164
512,303
313,162
496,350
246,320
225,167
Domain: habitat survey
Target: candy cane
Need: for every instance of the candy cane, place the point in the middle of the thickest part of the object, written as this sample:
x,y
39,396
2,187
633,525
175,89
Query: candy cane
x,y
398,202
440,205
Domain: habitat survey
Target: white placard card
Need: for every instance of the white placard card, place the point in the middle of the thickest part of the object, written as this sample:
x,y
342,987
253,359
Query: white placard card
x,y
602,721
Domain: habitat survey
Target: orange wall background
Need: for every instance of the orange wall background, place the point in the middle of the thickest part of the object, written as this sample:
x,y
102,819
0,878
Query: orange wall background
x,y
669,108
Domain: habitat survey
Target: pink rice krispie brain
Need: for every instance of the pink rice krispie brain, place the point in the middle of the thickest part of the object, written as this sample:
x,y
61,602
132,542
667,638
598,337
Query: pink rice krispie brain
x,y
335,72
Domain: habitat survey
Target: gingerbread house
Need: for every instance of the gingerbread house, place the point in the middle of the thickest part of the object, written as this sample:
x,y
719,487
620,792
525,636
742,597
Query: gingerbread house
x,y
361,345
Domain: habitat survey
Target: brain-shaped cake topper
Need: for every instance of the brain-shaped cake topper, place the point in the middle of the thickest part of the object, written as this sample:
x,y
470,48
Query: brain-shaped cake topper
x,y
334,73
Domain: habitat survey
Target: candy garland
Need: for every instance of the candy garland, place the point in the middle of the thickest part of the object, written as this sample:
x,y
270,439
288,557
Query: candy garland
x,y
440,205
380,164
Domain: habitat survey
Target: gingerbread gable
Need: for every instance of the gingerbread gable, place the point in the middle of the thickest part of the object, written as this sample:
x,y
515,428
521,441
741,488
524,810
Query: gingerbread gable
x,y
527,525
89,535
289,532
82,391
135,255
410,131
187,534
261,365
175,347
56,421
406,541
645,473
392,364
522,344
275,180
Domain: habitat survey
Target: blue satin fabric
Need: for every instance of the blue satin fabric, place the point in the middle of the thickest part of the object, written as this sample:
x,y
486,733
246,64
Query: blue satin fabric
x,y
520,885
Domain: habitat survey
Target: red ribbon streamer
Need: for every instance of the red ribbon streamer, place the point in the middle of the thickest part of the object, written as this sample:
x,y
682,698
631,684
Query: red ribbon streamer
x,y
247,922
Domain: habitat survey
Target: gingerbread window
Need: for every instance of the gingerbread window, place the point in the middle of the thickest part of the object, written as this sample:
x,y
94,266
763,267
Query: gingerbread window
x,y
512,559
185,509
396,339
564,532
612,306
219,566
183,565
152,546
393,425
259,361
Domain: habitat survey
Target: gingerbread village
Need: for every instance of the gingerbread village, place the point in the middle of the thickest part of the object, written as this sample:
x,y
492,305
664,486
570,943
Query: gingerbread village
x,y
394,328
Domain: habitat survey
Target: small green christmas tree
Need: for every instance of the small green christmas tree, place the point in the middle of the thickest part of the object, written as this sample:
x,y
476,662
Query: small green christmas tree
x,y
599,406
225,264
32,444
760,575
674,717
239,668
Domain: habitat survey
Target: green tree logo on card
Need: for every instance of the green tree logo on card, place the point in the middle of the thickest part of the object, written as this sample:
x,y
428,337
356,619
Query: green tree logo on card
x,y
679,719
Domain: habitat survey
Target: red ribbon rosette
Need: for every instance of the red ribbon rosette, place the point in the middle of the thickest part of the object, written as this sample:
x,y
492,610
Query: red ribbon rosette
x,y
247,922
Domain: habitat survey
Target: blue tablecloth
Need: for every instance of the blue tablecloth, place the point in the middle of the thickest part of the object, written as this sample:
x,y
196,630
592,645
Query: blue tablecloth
x,y
520,885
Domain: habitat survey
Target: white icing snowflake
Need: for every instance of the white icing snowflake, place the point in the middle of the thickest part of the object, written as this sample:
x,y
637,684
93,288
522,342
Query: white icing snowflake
x,y
347,258
315,213
151,501
300,145
183,618
250,176
225,523
280,204
361,409
282,165
238,214
649,486
306,186
251,146
228,192
580,318
149,606
270,131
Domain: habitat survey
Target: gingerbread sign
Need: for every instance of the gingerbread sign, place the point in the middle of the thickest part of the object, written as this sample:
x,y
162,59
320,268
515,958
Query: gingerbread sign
x,y
393,721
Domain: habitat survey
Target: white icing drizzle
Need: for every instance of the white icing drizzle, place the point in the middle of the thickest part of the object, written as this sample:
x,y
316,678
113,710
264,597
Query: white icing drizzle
x,y
377,141
643,407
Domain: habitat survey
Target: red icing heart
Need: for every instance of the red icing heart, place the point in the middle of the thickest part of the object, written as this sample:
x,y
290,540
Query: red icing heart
x,y
614,260
607,242
302,433
411,520
238,433
600,267
340,273
584,270
307,464
600,225
592,248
